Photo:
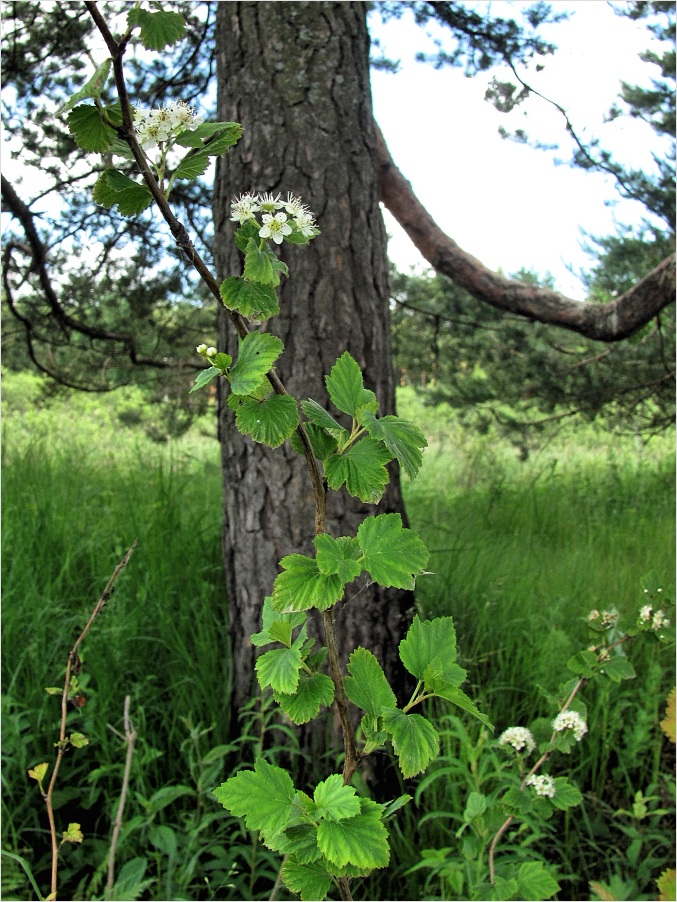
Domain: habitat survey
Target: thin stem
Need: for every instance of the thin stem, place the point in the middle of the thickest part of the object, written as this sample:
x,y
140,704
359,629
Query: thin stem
x,y
62,743
130,739
351,759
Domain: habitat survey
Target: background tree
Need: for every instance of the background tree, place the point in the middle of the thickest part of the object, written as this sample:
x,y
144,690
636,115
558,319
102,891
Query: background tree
x,y
302,134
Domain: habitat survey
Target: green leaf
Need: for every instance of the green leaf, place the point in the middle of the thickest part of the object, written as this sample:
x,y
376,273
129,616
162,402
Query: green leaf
x,y
475,806
227,134
429,642
458,697
346,387
313,692
566,794
338,556
271,619
583,663
270,421
361,468
92,89
361,840
415,740
251,299
367,686
256,354
323,445
535,882
334,800
89,128
393,555
403,439
279,668
262,265
264,796
249,230
204,377
112,187
78,740
618,668
309,881
301,586
158,29
129,884
192,165
319,416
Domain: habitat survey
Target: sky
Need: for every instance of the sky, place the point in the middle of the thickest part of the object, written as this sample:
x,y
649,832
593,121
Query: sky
x,y
510,205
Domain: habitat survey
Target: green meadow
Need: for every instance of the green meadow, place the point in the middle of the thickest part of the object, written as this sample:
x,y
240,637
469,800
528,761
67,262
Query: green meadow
x,y
521,551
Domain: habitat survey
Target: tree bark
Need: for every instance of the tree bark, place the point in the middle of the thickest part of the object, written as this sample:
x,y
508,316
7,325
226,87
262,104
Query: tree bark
x,y
609,322
296,75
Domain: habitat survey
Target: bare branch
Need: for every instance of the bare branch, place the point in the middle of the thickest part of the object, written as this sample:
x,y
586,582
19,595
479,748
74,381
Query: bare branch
x,y
613,321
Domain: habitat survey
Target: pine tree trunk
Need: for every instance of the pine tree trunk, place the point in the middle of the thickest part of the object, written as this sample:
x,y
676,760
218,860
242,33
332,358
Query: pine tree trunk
x,y
296,75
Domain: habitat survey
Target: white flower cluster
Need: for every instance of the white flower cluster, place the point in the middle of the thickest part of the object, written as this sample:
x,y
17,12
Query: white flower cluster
x,y
657,619
160,126
570,720
275,215
607,618
543,784
518,738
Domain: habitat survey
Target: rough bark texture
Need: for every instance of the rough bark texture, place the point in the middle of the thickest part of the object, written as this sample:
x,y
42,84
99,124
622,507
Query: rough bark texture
x,y
296,76
604,322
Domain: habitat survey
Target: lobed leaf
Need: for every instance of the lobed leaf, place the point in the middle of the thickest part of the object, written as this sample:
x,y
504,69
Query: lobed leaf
x,y
313,692
158,29
319,416
367,685
361,840
535,882
429,642
393,555
403,439
279,668
112,187
323,445
415,741
256,354
346,386
309,881
334,800
229,131
264,796
338,556
251,299
361,469
262,265
270,421
90,129
301,586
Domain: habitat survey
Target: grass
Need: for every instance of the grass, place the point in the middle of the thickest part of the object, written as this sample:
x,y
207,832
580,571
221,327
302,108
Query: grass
x,y
521,551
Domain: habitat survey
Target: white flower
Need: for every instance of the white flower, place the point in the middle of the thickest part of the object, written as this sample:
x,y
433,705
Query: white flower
x,y
594,614
305,223
269,204
543,784
645,613
570,720
609,618
295,206
244,207
275,227
659,620
161,125
518,738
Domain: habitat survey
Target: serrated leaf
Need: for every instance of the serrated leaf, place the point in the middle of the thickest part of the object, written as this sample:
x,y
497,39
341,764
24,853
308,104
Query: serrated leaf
x,y
458,697
361,468
279,668
251,299
158,29
361,840
666,885
535,882
334,800
309,881
430,642
415,740
204,377
300,841
256,354
264,796
346,386
38,772
89,128
313,692
338,556
583,663
566,794
192,166
113,188
367,685
231,132
323,445
249,230
618,668
270,618
72,834
668,722
393,555
262,265
319,416
301,586
403,439
270,421
78,740
92,88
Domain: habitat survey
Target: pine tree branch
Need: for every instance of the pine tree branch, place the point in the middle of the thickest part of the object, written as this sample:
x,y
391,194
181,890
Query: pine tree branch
x,y
608,322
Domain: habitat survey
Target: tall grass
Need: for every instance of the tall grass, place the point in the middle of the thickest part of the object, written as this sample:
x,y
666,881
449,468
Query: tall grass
x,y
521,551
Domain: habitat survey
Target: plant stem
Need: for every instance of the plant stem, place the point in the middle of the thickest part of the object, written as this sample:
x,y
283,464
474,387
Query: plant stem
x,y
130,739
